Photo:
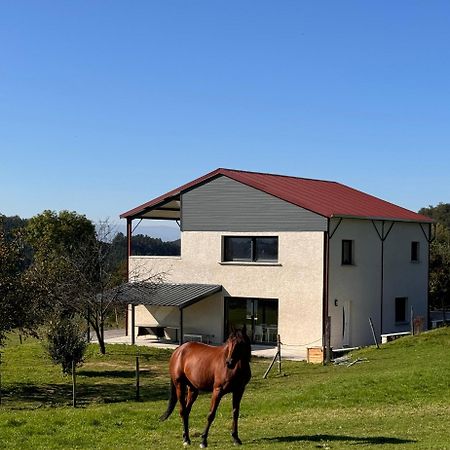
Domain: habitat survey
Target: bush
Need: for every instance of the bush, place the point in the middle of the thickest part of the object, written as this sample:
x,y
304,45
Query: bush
x,y
66,342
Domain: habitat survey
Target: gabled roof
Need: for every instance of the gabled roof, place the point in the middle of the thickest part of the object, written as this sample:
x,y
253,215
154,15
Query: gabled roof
x,y
326,198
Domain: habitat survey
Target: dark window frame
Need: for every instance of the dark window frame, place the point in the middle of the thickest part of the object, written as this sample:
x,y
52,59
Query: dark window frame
x,y
347,253
253,257
415,251
401,311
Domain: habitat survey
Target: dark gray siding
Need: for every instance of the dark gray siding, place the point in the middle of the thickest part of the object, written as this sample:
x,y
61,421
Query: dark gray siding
x,y
226,205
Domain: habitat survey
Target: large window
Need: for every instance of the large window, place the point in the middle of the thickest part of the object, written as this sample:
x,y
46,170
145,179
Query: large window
x,y
250,249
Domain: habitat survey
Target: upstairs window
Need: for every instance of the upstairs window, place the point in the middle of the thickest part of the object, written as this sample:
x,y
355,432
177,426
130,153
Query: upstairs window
x,y
347,252
400,309
250,249
415,251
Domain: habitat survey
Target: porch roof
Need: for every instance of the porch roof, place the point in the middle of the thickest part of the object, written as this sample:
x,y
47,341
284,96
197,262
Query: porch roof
x,y
165,294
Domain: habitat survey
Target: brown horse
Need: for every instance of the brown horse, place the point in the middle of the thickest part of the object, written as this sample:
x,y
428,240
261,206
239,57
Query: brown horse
x,y
198,367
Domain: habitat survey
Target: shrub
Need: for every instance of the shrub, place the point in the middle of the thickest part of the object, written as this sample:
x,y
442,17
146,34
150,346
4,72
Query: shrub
x,y
66,342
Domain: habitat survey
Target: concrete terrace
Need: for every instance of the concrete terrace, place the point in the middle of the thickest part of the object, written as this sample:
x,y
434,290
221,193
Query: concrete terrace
x,y
261,351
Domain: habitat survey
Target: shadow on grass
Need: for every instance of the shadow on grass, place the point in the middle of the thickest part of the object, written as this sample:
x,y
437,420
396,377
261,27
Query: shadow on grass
x,y
370,440
110,373
26,396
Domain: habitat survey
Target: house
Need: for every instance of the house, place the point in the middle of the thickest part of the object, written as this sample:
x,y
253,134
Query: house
x,y
281,255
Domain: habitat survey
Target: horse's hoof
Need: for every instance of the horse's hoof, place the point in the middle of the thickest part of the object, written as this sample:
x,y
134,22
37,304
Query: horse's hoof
x,y
203,445
186,443
237,442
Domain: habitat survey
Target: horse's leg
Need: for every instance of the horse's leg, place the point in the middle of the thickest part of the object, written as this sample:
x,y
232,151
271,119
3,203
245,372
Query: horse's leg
x,y
237,396
181,394
192,395
215,400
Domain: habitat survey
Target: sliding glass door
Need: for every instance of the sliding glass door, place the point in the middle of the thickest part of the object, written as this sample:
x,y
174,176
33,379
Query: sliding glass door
x,y
259,315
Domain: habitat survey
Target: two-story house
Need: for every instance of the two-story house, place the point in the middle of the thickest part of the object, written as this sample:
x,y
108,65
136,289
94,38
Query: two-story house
x,y
282,255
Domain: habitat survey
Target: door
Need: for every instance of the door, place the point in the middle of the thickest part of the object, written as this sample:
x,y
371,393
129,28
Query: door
x,y
346,311
259,315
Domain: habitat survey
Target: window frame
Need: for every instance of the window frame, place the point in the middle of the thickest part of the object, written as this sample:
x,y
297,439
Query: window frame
x,y
253,250
405,312
415,252
351,253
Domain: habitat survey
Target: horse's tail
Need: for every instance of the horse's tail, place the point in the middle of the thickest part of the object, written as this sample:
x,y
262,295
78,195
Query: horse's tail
x,y
172,402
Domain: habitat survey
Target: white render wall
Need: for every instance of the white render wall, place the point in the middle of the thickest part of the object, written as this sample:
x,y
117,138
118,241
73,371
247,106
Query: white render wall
x,y
296,281
358,286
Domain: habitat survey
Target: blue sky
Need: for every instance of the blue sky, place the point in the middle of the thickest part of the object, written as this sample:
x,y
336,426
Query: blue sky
x,y
107,104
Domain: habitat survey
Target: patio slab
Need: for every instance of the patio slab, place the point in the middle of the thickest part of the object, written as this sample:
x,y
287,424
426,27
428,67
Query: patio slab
x,y
262,351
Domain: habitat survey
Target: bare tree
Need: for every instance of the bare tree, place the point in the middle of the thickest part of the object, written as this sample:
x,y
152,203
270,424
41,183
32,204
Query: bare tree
x,y
84,279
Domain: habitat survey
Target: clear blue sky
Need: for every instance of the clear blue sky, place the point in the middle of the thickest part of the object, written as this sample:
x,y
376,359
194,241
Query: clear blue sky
x,y
107,104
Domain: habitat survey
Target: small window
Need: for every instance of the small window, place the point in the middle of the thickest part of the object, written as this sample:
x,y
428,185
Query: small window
x,y
250,249
347,252
400,309
415,251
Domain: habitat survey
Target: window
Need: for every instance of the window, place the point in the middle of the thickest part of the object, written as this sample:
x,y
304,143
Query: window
x,y
347,252
250,249
400,309
414,251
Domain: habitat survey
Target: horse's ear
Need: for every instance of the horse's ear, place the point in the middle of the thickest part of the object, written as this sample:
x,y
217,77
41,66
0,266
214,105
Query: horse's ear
x,y
232,329
244,329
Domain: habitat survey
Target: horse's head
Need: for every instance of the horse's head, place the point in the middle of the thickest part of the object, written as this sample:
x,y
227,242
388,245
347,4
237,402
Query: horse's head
x,y
238,348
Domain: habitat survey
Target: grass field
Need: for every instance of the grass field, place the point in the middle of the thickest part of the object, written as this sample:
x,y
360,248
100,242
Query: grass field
x,y
397,399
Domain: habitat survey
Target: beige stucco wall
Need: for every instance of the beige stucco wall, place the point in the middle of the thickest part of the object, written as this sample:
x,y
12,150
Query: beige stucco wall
x,y
358,287
296,281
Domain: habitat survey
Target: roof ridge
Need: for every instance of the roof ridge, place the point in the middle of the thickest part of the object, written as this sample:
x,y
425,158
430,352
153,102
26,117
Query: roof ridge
x,y
277,175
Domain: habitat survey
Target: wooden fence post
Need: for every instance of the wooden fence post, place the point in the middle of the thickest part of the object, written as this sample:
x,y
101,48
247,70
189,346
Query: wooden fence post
x,y
279,353
373,332
137,380
74,385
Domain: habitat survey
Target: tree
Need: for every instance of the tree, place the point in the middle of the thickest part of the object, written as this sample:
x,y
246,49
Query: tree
x,y
73,268
66,341
9,286
440,256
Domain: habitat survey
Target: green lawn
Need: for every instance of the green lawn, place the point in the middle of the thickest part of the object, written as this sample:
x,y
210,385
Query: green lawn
x,y
398,398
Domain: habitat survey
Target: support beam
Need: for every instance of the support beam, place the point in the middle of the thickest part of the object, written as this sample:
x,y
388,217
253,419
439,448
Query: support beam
x,y
133,324
127,275
129,233
181,327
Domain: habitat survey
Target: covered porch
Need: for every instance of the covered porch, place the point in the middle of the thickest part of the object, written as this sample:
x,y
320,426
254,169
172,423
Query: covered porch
x,y
159,311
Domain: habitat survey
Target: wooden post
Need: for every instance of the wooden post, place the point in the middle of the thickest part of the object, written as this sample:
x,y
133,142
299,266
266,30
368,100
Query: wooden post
x,y
74,385
411,319
138,397
277,356
373,332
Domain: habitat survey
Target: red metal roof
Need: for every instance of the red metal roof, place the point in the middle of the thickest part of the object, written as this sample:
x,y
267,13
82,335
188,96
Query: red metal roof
x,y
327,198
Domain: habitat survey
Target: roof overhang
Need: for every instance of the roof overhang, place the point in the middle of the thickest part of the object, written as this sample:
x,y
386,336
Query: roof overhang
x,y
165,294
422,219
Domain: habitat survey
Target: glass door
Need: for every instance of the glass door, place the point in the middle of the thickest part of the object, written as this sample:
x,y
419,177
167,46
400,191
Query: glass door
x,y
259,315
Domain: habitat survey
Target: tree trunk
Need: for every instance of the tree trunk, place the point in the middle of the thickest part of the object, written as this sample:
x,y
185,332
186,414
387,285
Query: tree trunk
x,y
100,337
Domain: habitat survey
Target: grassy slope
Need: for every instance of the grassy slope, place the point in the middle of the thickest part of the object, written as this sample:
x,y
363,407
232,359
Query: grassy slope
x,y
397,399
